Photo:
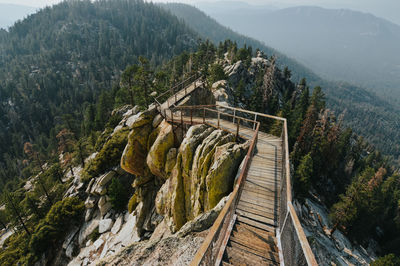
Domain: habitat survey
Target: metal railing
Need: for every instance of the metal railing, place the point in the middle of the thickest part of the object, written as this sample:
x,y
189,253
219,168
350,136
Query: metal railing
x,y
293,245
170,97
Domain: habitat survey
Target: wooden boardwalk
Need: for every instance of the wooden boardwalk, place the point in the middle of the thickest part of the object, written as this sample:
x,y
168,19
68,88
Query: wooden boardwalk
x,y
245,232
180,95
252,240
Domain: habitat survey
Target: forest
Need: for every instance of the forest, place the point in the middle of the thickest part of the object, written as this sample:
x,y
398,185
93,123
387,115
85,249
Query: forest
x,y
66,69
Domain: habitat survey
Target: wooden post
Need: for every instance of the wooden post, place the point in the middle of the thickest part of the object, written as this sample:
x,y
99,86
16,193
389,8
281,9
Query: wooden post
x,y
181,118
182,123
204,115
234,115
172,118
255,120
218,118
175,98
237,130
191,116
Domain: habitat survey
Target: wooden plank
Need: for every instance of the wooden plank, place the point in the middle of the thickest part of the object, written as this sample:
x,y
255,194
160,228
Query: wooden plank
x,y
237,256
255,223
266,214
266,195
255,200
239,227
264,180
266,251
253,185
256,217
258,208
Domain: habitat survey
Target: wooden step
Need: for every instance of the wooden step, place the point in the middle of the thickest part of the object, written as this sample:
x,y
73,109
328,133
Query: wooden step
x,y
267,214
256,217
259,201
265,195
254,185
263,180
256,224
262,202
239,226
257,208
255,246
237,256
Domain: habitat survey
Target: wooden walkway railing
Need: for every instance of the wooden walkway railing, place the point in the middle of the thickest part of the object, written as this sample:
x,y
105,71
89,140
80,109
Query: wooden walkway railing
x,y
293,244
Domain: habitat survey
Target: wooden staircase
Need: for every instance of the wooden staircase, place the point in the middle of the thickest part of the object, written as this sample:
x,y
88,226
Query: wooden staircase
x,y
252,240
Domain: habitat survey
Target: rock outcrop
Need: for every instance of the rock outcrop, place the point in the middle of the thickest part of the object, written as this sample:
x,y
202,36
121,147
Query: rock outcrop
x,y
191,189
329,248
157,156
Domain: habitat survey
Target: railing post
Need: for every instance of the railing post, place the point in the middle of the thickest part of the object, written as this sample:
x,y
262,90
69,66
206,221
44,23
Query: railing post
x,y
255,120
182,123
172,118
219,114
191,116
234,115
175,98
237,130
204,115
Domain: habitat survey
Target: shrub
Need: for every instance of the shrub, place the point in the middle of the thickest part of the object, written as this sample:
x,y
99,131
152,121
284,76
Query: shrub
x,y
94,235
109,155
216,73
388,260
61,216
119,195
65,212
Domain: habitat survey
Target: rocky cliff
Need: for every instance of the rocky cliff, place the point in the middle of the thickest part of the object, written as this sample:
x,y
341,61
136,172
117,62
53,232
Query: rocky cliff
x,y
178,180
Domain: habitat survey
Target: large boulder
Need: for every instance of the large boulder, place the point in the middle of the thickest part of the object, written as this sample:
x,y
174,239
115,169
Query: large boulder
x,y
221,176
170,160
186,193
202,162
157,155
133,159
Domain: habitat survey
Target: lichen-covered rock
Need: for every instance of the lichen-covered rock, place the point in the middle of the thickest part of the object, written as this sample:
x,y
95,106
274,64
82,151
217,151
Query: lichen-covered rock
x,y
133,159
203,159
170,160
185,194
157,155
219,181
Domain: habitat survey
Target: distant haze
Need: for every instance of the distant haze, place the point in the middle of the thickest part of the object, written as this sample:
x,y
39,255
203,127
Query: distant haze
x,y
338,44
388,9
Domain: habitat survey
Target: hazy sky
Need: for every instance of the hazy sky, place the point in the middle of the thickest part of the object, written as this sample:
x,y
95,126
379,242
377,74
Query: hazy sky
x,y
389,9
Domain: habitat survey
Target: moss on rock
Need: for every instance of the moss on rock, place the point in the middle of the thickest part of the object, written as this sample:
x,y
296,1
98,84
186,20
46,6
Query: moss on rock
x,y
157,155
133,159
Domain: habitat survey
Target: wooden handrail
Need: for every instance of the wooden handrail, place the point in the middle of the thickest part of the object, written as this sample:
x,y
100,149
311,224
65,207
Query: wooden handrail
x,y
251,112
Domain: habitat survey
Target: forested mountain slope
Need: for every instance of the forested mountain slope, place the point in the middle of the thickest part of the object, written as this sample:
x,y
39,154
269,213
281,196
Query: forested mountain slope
x,y
57,61
338,44
373,118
